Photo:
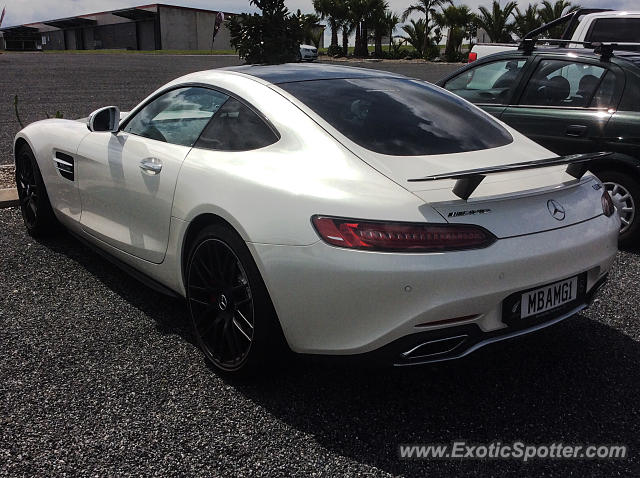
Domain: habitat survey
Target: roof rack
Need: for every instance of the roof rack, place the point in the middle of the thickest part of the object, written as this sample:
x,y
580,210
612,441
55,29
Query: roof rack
x,y
604,49
572,18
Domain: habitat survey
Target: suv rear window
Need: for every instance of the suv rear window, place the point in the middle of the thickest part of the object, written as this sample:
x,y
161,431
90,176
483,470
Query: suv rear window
x,y
400,117
624,30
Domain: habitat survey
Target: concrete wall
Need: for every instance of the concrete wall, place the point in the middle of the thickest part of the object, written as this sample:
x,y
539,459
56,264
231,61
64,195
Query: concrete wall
x,y
116,36
183,29
70,39
147,35
54,40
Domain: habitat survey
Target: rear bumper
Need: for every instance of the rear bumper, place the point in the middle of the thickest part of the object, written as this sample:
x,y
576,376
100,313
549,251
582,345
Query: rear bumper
x,y
456,342
343,302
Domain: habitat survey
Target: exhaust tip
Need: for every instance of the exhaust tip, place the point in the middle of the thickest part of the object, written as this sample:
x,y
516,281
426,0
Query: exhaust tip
x,y
435,347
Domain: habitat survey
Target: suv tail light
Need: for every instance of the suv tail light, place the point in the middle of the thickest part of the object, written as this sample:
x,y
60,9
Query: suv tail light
x,y
400,236
473,56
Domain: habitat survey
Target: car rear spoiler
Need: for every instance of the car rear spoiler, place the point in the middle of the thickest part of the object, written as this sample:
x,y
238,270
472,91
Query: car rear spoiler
x,y
467,181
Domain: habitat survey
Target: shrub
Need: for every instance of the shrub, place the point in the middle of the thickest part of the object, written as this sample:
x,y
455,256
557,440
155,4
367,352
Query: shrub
x,y
272,37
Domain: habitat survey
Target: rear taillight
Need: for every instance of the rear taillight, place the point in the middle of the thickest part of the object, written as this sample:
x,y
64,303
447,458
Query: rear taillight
x,y
400,236
608,208
473,56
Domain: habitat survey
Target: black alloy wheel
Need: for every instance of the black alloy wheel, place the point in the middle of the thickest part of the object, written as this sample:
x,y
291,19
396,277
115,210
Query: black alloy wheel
x,y
35,207
231,312
27,188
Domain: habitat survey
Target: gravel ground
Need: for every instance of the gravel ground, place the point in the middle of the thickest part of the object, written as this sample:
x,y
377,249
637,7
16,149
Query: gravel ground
x,y
99,376
7,177
75,85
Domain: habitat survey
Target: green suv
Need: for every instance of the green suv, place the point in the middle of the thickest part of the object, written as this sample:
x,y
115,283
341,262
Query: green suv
x,y
570,101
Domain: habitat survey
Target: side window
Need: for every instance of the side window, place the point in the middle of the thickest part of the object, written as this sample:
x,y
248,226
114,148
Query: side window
x,y
562,83
631,96
178,116
235,127
490,83
603,97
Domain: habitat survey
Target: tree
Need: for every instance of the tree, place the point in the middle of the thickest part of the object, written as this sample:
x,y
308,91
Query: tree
x,y
376,19
274,36
416,31
391,21
426,7
333,11
309,26
347,26
549,12
457,20
527,21
496,23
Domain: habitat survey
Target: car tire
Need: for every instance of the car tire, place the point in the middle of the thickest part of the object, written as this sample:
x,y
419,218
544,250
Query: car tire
x,y
625,192
233,319
37,213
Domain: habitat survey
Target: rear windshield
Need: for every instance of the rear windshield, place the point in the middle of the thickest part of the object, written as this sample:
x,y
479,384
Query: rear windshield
x,y
619,29
400,117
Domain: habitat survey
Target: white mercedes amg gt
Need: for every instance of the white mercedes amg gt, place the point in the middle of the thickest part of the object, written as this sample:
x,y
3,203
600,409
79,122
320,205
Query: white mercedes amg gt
x,y
330,210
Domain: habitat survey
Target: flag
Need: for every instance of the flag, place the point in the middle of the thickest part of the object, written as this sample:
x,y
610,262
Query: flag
x,y
218,23
2,15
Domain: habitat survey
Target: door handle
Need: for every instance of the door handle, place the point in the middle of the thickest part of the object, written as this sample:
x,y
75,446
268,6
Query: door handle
x,y
576,130
151,166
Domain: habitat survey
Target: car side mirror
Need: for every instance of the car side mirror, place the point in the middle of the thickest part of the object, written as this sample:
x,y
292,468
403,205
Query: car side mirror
x,y
104,120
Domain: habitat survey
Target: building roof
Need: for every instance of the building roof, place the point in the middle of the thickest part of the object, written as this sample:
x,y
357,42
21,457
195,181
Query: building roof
x,y
134,13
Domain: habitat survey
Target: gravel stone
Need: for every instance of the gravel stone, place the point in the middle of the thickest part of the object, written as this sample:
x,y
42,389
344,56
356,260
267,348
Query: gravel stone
x,y
99,376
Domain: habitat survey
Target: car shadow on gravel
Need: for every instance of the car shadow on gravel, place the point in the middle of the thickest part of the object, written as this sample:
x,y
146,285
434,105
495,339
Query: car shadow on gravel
x,y
169,314
574,383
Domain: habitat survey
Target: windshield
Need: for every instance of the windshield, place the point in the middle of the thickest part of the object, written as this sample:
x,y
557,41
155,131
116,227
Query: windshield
x,y
400,117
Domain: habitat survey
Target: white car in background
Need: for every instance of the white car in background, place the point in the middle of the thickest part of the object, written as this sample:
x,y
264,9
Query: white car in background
x,y
308,53
583,25
331,210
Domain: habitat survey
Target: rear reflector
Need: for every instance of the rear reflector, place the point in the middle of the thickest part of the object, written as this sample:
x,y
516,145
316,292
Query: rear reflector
x,y
473,56
449,321
400,236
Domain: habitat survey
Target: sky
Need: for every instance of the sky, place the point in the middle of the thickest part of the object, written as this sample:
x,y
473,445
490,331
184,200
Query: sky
x,y
26,11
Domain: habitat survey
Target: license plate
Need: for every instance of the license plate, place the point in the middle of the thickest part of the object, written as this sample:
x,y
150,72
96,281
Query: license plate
x,y
548,297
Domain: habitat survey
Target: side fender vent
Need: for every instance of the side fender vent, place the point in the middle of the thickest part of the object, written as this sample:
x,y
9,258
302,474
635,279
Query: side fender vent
x,y
64,163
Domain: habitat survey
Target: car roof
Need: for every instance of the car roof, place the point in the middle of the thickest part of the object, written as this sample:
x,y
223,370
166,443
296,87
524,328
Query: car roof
x,y
627,55
293,72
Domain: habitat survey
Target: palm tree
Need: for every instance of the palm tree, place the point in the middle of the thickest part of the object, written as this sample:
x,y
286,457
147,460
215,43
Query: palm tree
x,y
527,21
457,20
376,19
426,7
549,12
495,23
309,25
391,21
332,10
416,32
359,10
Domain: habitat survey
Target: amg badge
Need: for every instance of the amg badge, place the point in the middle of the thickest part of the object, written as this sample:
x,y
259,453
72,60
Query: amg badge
x,y
471,212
